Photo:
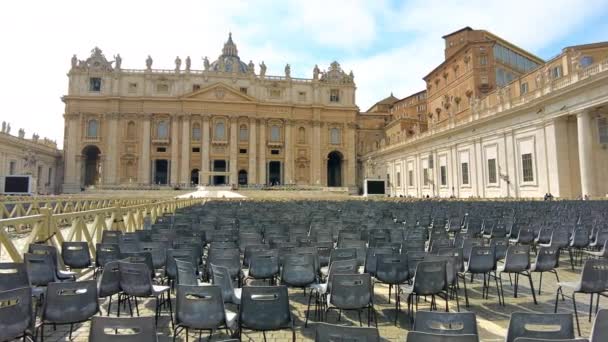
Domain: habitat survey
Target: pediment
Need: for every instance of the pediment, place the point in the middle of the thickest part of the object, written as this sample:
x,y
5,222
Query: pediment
x,y
219,92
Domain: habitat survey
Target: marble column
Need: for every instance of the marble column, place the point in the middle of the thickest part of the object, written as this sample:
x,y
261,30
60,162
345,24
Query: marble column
x,y
351,156
111,165
585,153
288,179
204,175
316,153
252,174
71,152
144,160
185,138
174,150
262,153
234,150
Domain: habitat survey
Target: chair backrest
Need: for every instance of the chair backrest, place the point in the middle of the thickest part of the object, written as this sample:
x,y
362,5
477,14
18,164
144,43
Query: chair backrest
x,y
392,268
517,259
430,278
109,282
594,277
227,257
325,332
550,326
40,268
264,264
265,307
140,258
76,254
15,312
13,275
135,279
417,336
174,254
413,259
530,339
351,291
481,259
298,270
468,244
599,331
446,323
500,246
106,252
547,258
112,329
339,254
250,250
221,276
560,238
111,236
200,307
372,257
70,302
158,251
186,273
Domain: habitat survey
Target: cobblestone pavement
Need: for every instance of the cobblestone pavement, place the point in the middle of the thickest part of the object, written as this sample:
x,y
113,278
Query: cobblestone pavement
x,y
492,319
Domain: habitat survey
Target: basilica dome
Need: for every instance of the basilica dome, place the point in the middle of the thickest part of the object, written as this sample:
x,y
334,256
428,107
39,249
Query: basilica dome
x,y
229,59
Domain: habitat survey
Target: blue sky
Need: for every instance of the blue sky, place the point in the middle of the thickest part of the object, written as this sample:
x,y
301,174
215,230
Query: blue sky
x,y
390,45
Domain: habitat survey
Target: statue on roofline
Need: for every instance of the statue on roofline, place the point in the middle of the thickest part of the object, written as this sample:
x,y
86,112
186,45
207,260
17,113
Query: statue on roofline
x,y
262,69
206,63
188,63
74,61
315,72
178,63
117,61
149,63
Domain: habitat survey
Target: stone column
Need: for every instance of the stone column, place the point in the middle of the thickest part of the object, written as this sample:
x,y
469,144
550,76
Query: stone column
x,y
71,170
351,130
204,176
185,166
174,150
144,160
234,178
288,179
262,153
585,153
316,162
111,149
252,174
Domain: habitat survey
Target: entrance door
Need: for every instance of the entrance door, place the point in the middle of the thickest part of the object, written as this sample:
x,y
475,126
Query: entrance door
x,y
91,165
334,169
194,177
274,173
242,177
219,166
161,171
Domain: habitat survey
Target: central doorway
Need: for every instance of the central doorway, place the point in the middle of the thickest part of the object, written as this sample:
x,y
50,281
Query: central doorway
x,y
91,165
161,171
194,177
274,173
219,166
334,169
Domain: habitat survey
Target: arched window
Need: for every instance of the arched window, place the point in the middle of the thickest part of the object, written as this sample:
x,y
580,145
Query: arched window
x,y
243,133
162,130
301,135
586,61
334,136
220,131
92,129
275,133
196,131
131,130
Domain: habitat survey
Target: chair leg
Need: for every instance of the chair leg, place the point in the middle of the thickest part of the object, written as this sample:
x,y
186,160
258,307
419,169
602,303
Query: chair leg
x,y
571,260
591,305
557,278
578,327
540,283
529,275
501,290
466,296
170,308
308,308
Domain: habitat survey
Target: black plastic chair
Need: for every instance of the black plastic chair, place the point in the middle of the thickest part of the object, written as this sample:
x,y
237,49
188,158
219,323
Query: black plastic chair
x,y
530,339
602,253
229,258
76,255
263,265
16,317
69,303
171,267
265,308
105,253
40,269
416,336
393,270
136,281
547,260
299,271
110,329
517,262
481,261
580,241
186,273
41,249
446,323
339,254
352,292
535,325
201,308
372,257
599,331
221,276
111,236
593,281
14,275
109,284
430,280
330,333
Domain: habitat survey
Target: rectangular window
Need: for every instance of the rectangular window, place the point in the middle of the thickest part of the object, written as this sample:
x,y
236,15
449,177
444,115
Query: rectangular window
x,y
443,170
483,78
302,96
602,125
243,90
196,150
465,173
196,87
410,177
161,149
556,72
526,166
334,95
399,179
523,88
12,169
492,171
275,152
483,60
162,88
425,176
132,88
275,93
243,151
95,84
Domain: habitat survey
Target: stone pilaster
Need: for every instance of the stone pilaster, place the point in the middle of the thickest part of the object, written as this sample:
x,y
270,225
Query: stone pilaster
x,y
585,153
316,162
204,176
252,173
289,167
234,150
174,150
144,160
262,153
185,155
112,152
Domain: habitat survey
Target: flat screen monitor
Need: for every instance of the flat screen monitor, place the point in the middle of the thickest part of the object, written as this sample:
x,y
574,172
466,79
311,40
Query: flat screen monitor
x,y
17,185
375,187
